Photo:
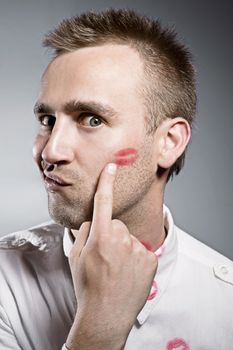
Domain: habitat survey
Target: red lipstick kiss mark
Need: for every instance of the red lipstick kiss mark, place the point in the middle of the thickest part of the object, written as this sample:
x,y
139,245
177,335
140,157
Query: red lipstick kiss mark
x,y
147,245
153,292
177,343
126,156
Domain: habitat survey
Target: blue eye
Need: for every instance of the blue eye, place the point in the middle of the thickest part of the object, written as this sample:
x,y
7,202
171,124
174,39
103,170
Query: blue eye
x,y
91,121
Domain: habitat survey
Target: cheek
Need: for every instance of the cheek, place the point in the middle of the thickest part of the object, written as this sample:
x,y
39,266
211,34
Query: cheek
x,y
38,146
126,156
93,158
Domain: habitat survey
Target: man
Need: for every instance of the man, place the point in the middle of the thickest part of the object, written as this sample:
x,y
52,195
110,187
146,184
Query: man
x,y
115,112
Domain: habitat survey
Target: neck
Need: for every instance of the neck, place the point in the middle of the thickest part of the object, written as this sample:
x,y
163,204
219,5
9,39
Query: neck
x,y
145,220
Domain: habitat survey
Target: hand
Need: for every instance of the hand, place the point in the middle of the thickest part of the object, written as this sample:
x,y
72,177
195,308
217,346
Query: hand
x,y
112,275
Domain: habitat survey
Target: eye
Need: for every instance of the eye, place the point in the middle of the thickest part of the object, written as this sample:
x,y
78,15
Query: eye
x,y
47,120
91,121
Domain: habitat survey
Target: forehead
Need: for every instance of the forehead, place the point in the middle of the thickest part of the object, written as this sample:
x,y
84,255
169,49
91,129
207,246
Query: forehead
x,y
108,73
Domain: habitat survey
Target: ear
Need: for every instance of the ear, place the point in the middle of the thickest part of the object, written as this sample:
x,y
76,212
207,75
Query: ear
x,y
174,135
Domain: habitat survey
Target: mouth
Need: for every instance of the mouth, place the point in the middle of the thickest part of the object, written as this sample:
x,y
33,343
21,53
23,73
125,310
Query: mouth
x,y
54,182
126,156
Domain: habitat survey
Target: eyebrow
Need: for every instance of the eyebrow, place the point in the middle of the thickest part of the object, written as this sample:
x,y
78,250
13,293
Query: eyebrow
x,y
40,108
74,106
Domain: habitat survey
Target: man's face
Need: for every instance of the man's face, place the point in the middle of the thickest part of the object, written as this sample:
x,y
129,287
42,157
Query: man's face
x,y
90,108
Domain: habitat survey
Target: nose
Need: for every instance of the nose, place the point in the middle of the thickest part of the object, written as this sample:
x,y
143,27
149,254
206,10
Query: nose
x,y
59,148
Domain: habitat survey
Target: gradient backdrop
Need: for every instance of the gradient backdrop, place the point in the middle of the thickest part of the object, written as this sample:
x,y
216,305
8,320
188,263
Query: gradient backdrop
x,y
201,198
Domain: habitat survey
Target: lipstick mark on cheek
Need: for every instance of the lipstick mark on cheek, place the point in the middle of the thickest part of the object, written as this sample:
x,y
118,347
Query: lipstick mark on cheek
x,y
126,156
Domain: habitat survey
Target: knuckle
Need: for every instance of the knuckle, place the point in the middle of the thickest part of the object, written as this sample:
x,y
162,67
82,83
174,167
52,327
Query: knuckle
x,y
99,245
126,242
85,225
139,250
103,198
101,241
121,234
119,225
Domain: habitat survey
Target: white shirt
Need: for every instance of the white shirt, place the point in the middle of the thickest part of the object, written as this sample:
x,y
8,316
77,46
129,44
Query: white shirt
x,y
190,306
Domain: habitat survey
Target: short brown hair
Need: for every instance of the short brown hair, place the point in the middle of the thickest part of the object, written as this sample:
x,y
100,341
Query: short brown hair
x,y
169,91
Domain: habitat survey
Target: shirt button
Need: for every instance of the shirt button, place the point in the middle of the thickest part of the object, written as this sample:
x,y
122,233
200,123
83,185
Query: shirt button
x,y
224,269
224,272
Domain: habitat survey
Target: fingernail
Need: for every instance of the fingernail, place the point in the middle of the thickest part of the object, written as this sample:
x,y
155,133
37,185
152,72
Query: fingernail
x,y
112,168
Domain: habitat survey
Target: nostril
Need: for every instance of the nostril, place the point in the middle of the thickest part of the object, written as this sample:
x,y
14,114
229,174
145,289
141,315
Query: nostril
x,y
51,167
47,166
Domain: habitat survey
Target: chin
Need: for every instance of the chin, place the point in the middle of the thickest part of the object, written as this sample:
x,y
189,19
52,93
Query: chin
x,y
69,217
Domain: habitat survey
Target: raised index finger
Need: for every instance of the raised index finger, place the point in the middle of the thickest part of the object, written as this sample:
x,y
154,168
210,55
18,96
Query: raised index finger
x,y
103,201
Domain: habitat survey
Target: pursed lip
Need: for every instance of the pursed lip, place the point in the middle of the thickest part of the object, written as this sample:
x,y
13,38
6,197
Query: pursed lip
x,y
57,180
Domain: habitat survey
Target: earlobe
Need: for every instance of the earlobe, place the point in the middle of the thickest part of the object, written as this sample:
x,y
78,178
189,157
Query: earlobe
x,y
174,137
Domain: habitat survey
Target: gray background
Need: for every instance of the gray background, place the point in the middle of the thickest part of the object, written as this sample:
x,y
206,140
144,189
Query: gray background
x,y
201,198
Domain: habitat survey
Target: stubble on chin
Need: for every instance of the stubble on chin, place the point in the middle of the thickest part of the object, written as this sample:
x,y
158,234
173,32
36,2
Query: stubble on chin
x,y
70,213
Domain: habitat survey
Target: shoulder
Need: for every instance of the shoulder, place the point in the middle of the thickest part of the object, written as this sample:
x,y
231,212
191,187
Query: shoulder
x,y
28,255
41,237
30,244
204,257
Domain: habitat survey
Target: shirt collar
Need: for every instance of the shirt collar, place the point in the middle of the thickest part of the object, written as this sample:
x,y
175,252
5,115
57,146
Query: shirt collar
x,y
67,242
166,256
